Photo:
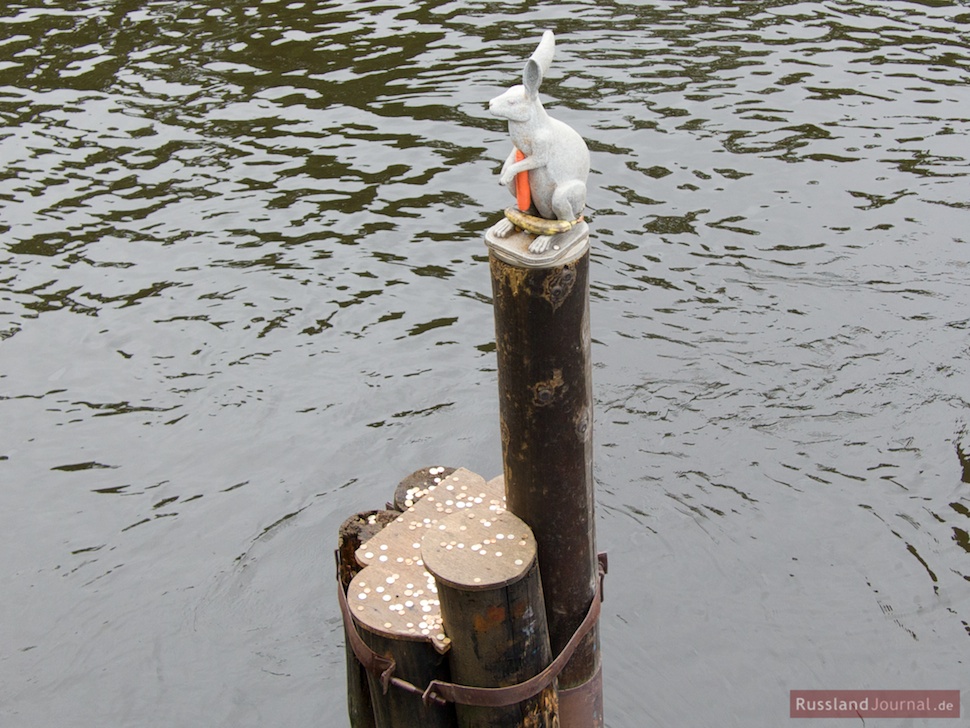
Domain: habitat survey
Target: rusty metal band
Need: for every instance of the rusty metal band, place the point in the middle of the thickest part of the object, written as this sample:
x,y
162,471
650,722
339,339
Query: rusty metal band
x,y
441,693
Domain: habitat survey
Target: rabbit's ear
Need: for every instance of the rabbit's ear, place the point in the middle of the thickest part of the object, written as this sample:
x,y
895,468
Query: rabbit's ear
x,y
544,52
538,64
531,78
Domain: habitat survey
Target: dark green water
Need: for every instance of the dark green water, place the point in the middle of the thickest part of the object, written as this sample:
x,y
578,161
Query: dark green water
x,y
243,291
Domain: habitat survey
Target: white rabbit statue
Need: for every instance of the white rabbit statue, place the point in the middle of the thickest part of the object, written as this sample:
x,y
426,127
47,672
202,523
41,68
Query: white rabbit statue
x,y
556,157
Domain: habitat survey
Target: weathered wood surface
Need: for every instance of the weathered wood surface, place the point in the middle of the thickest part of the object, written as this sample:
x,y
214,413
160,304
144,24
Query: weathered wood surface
x,y
401,540
353,533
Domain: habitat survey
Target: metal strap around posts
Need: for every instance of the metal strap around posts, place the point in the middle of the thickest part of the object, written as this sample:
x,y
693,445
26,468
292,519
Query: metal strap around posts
x,y
442,693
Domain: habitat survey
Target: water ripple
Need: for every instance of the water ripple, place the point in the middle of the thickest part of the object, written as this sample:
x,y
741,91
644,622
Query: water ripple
x,y
242,285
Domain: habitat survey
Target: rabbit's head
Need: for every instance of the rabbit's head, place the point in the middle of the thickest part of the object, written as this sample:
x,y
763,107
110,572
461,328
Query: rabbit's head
x,y
519,102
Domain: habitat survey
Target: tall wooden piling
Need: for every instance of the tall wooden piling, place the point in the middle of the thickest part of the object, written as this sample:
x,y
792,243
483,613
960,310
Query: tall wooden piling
x,y
542,334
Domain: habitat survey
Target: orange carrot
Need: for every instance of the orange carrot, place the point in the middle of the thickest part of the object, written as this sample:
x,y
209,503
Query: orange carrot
x,y
523,196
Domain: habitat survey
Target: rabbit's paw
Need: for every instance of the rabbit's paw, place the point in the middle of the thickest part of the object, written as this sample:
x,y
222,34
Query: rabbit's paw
x,y
540,244
503,228
506,178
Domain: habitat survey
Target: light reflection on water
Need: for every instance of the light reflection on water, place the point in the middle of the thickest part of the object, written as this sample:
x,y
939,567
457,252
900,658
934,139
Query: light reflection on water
x,y
243,291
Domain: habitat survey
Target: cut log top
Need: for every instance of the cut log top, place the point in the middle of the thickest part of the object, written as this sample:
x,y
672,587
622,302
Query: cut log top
x,y
398,602
479,549
402,538
414,487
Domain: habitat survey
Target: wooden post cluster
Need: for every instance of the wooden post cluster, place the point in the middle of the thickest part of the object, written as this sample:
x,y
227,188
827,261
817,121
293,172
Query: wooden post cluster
x,y
449,590
542,337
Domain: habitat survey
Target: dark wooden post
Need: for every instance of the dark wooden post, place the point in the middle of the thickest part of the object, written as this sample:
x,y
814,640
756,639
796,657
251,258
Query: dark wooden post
x,y
542,336
355,531
394,616
485,567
